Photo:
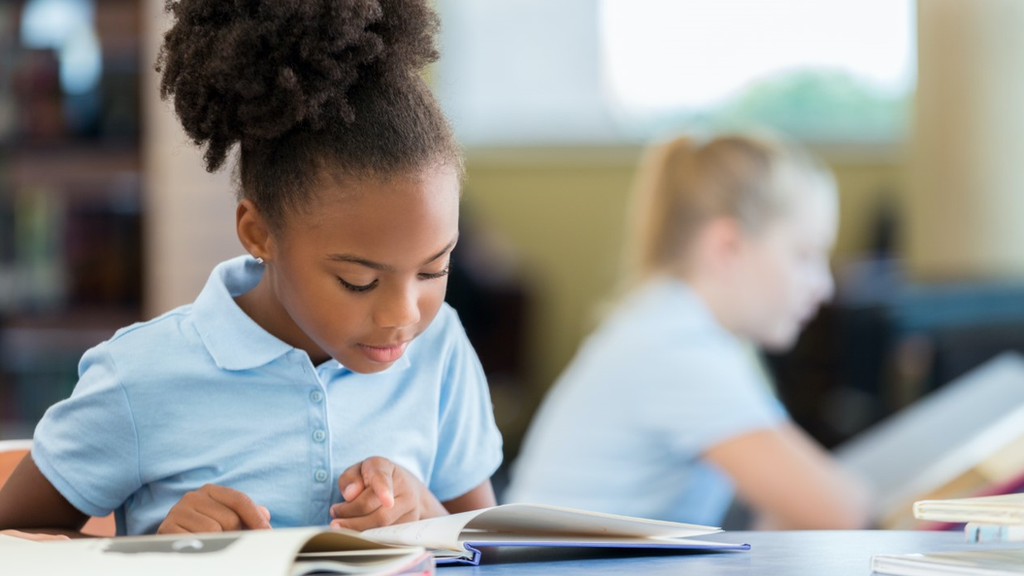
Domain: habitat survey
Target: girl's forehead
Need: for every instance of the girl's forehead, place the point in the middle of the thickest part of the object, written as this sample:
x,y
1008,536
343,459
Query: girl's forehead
x,y
386,218
360,198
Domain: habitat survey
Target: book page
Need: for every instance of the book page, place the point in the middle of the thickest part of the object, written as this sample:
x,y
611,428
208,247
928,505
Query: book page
x,y
541,519
539,522
932,442
438,533
253,553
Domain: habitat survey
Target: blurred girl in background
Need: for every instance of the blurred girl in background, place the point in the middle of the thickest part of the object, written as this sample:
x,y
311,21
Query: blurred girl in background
x,y
664,412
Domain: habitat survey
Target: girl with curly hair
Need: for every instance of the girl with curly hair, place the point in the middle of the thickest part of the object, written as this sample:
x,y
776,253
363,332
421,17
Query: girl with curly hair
x,y
321,378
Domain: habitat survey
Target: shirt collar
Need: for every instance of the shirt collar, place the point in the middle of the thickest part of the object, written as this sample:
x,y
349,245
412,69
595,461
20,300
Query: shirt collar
x,y
234,340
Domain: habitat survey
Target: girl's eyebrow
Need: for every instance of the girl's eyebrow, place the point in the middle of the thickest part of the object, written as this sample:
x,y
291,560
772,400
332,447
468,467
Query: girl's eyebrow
x,y
386,267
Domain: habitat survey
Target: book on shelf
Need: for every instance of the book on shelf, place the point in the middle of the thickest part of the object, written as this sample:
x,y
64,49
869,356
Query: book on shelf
x,y
412,548
965,439
998,562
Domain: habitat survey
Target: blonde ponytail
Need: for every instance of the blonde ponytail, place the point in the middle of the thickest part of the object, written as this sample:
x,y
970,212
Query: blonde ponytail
x,y
652,200
682,184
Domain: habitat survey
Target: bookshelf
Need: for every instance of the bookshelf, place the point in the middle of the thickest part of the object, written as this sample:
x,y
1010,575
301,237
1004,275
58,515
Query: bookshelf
x,y
71,198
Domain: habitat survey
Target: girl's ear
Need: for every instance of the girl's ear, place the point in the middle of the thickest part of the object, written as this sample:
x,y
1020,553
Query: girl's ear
x,y
253,231
719,243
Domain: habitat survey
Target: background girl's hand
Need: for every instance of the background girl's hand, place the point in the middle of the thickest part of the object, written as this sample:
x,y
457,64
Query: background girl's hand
x,y
379,492
33,536
214,508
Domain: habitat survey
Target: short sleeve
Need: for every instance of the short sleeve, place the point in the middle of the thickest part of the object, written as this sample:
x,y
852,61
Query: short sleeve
x,y
709,394
87,445
469,444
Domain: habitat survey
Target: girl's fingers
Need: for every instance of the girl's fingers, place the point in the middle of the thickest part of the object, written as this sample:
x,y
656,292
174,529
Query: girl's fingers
x,y
215,508
367,503
241,507
377,474
212,518
350,483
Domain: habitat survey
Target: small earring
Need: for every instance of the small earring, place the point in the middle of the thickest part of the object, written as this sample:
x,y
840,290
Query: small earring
x,y
259,260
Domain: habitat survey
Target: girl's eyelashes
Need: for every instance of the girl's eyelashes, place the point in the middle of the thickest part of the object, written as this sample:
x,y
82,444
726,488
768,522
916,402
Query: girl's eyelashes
x,y
365,287
357,287
433,275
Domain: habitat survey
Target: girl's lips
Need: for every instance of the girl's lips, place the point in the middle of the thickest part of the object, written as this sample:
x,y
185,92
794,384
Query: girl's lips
x,y
383,354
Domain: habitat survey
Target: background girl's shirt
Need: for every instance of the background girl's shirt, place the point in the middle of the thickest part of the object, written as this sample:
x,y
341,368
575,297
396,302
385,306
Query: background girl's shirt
x,y
623,430
204,395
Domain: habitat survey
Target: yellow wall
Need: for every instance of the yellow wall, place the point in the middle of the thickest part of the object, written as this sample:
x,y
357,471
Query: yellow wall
x,y
564,211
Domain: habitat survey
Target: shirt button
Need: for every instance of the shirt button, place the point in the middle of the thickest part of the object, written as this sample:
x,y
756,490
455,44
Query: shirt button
x,y
319,435
320,476
316,396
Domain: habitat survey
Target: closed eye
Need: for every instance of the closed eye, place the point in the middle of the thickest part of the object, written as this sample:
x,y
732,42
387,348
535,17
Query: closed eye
x,y
434,275
357,287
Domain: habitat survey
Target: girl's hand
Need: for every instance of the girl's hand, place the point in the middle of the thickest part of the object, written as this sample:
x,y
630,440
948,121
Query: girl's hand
x,y
214,508
378,492
33,536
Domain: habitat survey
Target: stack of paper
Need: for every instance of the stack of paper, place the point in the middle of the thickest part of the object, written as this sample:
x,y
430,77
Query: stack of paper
x,y
988,518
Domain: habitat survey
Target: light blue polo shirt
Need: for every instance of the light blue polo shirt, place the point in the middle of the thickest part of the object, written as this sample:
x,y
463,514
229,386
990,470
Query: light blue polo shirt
x,y
204,395
623,430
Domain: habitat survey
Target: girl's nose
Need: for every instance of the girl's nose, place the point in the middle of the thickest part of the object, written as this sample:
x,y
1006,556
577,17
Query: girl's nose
x,y
398,309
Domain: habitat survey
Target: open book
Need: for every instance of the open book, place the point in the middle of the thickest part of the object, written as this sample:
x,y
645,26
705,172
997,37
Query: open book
x,y
392,550
280,552
965,439
457,538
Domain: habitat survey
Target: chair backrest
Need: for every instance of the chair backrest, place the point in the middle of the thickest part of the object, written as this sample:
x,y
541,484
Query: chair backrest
x,y
11,454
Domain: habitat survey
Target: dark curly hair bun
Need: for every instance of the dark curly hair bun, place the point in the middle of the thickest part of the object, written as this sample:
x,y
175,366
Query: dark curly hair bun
x,y
241,71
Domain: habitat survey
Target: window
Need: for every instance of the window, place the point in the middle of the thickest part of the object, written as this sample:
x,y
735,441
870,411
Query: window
x,y
580,71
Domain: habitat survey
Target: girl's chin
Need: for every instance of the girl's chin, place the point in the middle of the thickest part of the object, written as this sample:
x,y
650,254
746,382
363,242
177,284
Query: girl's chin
x,y
781,340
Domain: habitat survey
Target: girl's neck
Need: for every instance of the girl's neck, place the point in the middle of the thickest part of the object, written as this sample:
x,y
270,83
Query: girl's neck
x,y
265,309
713,295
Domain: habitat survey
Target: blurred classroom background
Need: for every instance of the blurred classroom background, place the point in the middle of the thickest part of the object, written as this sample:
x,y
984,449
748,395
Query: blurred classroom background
x,y
107,216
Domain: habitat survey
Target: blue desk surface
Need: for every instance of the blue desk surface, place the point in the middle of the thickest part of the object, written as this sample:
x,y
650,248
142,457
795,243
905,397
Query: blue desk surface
x,y
822,553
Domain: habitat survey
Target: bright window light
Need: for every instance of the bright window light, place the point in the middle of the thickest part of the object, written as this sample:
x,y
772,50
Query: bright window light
x,y
720,64
526,72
